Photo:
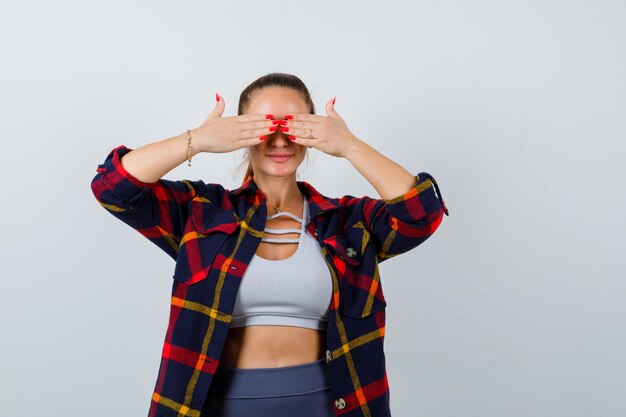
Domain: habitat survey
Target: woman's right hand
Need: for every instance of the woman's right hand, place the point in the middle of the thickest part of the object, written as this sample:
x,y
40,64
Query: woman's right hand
x,y
219,134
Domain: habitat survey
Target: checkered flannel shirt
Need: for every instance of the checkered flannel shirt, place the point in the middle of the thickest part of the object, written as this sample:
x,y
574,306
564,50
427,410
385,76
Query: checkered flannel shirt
x,y
212,233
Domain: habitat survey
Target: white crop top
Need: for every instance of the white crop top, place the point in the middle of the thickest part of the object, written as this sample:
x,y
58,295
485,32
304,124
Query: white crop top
x,y
295,291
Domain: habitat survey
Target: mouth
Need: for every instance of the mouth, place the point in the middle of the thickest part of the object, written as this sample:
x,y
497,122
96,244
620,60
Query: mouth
x,y
280,157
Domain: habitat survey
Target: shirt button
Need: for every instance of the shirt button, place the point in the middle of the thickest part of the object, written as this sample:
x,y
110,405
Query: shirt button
x,y
315,232
328,356
233,267
340,403
351,252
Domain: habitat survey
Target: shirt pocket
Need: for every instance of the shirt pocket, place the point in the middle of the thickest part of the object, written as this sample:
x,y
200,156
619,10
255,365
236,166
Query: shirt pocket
x,y
360,293
208,227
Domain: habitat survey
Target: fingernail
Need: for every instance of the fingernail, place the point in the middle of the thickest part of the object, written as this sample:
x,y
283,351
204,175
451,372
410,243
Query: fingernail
x,y
269,116
334,100
263,138
276,122
217,97
289,116
273,128
284,129
291,137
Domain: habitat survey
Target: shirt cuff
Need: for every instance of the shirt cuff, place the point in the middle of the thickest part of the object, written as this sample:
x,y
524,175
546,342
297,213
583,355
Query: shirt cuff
x,y
419,202
115,179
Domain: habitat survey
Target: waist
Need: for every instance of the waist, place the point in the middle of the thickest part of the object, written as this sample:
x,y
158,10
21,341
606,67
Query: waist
x,y
281,381
263,346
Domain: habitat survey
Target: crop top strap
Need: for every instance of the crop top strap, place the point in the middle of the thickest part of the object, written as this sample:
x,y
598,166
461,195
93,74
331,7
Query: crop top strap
x,y
301,230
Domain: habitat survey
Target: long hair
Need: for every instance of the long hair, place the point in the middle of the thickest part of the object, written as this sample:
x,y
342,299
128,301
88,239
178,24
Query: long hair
x,y
274,79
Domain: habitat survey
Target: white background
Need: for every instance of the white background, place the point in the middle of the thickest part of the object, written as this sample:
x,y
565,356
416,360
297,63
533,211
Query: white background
x,y
515,307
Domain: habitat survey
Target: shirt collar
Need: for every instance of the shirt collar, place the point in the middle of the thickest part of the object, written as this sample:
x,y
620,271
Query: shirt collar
x,y
318,203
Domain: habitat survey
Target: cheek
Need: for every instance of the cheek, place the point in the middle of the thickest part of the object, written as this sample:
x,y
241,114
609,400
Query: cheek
x,y
255,151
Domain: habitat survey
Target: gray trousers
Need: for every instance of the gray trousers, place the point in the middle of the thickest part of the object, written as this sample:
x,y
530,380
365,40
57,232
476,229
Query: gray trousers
x,y
299,390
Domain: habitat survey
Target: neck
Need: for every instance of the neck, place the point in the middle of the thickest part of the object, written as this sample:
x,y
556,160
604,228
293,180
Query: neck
x,y
281,192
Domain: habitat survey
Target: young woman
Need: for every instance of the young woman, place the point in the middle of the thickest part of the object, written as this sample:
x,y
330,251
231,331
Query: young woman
x,y
277,307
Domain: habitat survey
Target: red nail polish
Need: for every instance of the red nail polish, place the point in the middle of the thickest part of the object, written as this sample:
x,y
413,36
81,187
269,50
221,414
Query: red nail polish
x,y
282,122
289,116
276,122
273,128
284,129
269,116
217,97
291,137
263,138
334,100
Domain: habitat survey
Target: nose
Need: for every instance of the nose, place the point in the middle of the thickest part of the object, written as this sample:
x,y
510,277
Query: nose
x,y
279,138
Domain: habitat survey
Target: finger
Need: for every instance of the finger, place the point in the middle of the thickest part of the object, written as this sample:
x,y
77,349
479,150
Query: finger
x,y
256,133
244,143
218,108
220,105
295,131
330,109
259,125
307,117
304,141
245,118
251,142
300,124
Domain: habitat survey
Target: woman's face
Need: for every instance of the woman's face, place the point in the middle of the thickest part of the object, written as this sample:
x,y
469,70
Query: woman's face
x,y
278,101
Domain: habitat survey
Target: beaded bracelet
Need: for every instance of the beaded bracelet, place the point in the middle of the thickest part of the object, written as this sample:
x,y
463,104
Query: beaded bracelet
x,y
188,148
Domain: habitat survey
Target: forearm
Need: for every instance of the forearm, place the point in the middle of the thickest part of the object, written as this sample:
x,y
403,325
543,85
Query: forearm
x,y
386,176
152,161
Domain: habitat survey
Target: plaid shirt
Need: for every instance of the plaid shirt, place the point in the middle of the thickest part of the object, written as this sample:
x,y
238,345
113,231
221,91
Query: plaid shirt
x,y
212,233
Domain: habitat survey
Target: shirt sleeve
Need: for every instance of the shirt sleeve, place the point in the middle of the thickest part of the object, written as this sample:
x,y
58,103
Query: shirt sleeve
x,y
402,223
157,210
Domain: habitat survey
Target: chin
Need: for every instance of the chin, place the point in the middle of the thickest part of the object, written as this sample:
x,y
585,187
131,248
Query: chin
x,y
278,172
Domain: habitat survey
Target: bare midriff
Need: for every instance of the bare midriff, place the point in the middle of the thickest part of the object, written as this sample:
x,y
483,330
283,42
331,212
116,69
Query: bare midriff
x,y
270,346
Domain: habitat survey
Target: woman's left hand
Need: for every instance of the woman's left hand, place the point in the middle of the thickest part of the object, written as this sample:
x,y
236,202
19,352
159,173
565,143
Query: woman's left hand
x,y
330,133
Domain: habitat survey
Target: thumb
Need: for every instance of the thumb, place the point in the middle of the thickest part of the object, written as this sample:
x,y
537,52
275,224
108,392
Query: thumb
x,y
330,109
218,110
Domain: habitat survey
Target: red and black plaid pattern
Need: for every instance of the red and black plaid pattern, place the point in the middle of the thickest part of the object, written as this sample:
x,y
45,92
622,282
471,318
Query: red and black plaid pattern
x,y
212,233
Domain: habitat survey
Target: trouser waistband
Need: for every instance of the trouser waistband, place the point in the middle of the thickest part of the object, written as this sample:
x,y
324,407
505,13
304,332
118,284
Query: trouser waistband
x,y
270,382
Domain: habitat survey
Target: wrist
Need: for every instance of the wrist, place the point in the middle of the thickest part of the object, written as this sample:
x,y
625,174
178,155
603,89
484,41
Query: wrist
x,y
195,142
356,148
